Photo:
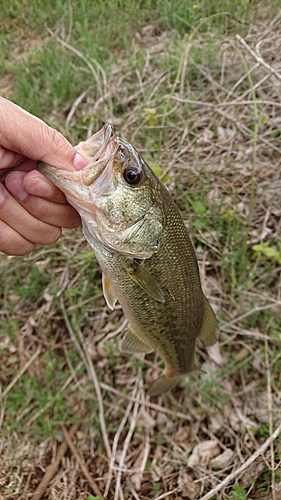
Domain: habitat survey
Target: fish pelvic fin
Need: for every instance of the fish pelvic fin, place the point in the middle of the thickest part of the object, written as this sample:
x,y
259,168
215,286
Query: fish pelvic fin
x,y
146,281
165,383
108,292
132,343
209,332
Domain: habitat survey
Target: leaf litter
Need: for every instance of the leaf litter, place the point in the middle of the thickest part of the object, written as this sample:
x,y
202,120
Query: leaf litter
x,y
212,433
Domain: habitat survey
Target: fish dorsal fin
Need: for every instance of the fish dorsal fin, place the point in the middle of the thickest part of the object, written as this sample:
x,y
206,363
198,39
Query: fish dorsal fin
x,y
108,292
209,332
132,343
146,281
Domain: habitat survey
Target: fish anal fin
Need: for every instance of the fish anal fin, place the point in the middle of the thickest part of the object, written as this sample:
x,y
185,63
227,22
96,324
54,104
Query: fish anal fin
x,y
209,332
146,281
132,343
108,292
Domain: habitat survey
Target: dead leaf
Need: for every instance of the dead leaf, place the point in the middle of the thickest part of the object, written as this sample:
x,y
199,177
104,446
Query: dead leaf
x,y
223,460
215,354
165,425
216,422
188,487
183,434
136,477
225,134
206,136
203,453
146,420
252,472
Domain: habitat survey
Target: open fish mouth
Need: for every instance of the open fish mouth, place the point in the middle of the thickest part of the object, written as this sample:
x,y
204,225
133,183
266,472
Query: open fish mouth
x,y
95,147
99,149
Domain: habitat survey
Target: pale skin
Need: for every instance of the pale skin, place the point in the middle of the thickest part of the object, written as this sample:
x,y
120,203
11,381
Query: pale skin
x,y
32,210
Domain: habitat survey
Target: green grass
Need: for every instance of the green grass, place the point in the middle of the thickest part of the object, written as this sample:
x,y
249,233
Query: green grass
x,y
46,77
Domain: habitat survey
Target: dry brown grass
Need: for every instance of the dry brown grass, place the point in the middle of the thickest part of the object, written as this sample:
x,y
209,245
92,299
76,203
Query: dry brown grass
x,y
211,434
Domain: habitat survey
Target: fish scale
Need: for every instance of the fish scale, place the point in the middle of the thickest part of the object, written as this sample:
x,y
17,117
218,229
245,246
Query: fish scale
x,y
141,243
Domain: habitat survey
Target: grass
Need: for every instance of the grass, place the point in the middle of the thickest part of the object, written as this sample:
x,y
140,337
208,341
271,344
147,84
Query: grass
x,y
174,80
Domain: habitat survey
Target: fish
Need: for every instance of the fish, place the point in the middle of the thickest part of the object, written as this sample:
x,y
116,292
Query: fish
x,y
142,245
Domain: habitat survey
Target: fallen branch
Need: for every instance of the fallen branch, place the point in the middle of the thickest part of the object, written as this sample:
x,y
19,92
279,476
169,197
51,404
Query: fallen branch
x,y
81,463
244,466
53,467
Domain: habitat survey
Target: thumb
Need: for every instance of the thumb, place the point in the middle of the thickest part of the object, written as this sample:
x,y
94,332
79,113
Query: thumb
x,y
56,150
29,136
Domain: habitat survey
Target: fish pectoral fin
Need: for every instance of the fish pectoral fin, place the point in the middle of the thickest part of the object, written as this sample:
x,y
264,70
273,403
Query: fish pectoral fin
x,y
146,281
209,332
108,292
132,343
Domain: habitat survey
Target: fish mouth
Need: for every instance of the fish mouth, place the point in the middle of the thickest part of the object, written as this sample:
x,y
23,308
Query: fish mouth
x,y
99,149
95,146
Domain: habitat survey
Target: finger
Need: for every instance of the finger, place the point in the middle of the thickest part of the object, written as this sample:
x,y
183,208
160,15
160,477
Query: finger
x,y
31,137
36,184
20,184
21,221
12,243
9,158
24,165
55,214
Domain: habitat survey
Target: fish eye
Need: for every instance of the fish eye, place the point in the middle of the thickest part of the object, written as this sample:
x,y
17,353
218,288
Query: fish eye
x,y
132,175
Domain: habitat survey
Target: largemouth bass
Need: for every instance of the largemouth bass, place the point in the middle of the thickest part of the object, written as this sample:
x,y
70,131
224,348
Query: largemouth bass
x,y
147,259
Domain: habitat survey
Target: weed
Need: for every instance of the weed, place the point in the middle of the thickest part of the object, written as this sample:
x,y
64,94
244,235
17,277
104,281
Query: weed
x,y
239,493
268,251
156,488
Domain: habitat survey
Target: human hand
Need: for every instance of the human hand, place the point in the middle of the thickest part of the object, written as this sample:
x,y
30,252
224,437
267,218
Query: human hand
x,y
32,210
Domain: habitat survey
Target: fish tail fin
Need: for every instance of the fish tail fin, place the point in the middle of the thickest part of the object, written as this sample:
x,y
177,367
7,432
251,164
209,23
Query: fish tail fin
x,y
165,383
209,331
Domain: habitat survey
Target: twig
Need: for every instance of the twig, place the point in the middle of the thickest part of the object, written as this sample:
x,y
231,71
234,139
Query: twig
x,y
115,442
146,450
168,493
258,58
2,414
94,379
20,373
247,131
125,448
242,331
244,466
153,406
270,422
51,469
81,463
75,105
249,313
84,58
71,333
83,352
